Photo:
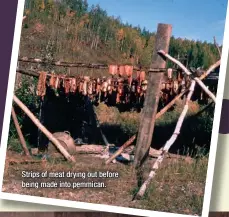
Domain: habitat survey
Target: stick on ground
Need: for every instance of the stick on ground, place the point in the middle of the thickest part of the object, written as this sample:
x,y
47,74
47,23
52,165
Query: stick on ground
x,y
121,149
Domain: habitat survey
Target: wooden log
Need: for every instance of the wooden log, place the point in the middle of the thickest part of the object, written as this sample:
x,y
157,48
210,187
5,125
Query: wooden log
x,y
43,129
147,121
168,144
121,149
19,132
89,149
67,64
30,73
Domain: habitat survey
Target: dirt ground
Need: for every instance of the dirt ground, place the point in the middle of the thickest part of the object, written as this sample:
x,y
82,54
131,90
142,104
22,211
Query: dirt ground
x,y
178,186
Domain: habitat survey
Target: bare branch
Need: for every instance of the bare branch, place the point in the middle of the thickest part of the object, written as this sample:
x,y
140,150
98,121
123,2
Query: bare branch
x,y
217,46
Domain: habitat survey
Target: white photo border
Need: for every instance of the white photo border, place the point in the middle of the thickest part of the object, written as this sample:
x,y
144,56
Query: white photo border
x,y
101,207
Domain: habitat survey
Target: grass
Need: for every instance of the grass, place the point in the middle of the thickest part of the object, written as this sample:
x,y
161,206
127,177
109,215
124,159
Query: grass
x,y
196,130
178,186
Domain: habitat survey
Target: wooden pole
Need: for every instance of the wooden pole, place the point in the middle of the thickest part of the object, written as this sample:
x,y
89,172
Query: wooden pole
x,y
19,132
29,73
44,130
121,149
67,64
149,111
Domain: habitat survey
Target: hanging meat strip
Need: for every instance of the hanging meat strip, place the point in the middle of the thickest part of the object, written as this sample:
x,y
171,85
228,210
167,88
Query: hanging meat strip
x,y
57,83
121,71
81,83
115,85
180,76
133,86
41,87
98,86
129,73
98,90
85,85
113,69
90,88
120,91
167,86
170,73
73,85
143,92
138,92
138,89
133,92
144,85
109,87
129,70
104,86
163,86
175,87
52,80
94,86
138,75
142,76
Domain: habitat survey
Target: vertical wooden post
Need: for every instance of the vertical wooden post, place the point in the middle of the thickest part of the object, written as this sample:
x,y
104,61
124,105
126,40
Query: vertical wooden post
x,y
149,111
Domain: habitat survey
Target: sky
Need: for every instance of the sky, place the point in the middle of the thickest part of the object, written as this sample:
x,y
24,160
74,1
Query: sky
x,y
191,19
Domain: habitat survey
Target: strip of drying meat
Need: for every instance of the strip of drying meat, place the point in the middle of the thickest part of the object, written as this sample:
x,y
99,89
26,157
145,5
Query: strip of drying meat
x,y
41,87
73,85
113,69
121,71
51,80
